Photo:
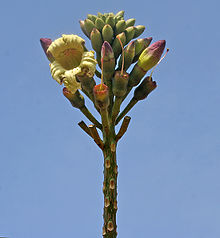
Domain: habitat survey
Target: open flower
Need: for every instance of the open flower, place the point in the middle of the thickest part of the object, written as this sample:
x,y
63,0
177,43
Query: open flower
x,y
70,59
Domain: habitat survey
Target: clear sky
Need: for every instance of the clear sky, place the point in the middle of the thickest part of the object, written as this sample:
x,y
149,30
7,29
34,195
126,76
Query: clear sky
x,y
169,161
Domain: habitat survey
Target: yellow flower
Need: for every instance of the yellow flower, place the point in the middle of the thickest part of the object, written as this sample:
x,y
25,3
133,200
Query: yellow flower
x,y
70,59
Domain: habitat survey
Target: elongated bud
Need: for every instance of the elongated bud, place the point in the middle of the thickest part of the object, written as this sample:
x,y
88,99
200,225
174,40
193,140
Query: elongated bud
x,y
140,46
144,89
99,23
96,40
92,17
45,43
75,99
89,25
129,54
101,95
151,55
130,22
139,30
119,83
120,27
129,33
116,45
120,14
107,33
108,57
111,21
87,83
102,16
82,26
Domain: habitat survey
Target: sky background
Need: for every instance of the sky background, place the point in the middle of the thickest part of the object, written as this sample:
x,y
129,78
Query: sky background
x,y
169,161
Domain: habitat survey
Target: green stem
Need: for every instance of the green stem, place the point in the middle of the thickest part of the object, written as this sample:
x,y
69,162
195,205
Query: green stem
x,y
89,115
126,110
116,108
105,121
110,186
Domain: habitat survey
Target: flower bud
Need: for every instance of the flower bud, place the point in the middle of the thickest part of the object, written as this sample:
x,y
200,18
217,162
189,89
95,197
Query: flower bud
x,y
119,84
111,21
108,57
116,46
151,55
99,23
101,16
120,27
129,53
96,40
144,89
75,99
130,22
129,33
89,25
139,30
120,14
92,17
45,43
140,46
82,26
107,33
101,95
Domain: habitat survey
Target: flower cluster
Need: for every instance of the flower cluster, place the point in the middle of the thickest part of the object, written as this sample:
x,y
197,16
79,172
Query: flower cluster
x,y
111,37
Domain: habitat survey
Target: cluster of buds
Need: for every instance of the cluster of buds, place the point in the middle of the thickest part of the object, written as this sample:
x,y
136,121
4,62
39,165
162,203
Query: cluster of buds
x,y
111,36
110,27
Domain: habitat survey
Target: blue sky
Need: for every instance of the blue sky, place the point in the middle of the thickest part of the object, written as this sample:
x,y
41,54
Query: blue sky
x,y
169,160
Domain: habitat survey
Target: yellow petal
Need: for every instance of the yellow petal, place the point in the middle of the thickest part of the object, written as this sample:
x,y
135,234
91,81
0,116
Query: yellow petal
x,y
67,51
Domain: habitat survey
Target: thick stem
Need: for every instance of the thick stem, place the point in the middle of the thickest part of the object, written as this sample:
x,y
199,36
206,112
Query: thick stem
x,y
110,186
116,108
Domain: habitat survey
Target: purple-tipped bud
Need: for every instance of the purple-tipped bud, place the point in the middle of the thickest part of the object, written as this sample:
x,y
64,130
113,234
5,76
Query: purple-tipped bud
x,y
108,58
151,55
107,51
45,43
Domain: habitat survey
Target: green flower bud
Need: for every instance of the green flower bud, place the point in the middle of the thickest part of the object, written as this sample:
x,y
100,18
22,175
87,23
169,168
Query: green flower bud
x,y
96,40
116,46
148,59
139,30
111,21
120,27
144,89
130,22
82,26
151,55
120,14
129,53
140,45
101,95
119,83
87,83
75,99
89,25
99,23
92,17
129,33
107,33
